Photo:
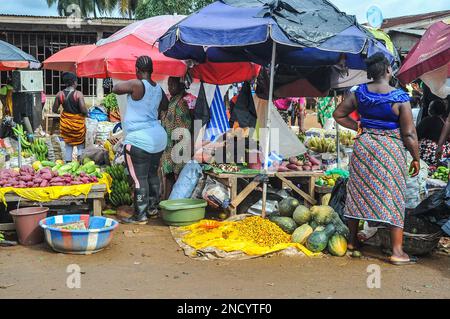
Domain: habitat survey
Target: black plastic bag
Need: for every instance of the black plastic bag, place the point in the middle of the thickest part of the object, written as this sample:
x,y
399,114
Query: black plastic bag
x,y
338,197
435,208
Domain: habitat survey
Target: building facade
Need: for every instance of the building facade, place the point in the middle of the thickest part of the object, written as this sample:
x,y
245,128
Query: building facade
x,y
44,36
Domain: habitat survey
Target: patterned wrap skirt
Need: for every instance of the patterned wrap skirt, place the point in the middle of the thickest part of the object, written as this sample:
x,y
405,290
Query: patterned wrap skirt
x,y
377,184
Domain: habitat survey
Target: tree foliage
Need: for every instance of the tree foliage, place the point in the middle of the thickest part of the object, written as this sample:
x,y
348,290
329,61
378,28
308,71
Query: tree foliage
x,y
150,8
96,7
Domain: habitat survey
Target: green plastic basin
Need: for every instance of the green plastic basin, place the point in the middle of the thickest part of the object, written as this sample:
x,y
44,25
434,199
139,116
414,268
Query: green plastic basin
x,y
182,212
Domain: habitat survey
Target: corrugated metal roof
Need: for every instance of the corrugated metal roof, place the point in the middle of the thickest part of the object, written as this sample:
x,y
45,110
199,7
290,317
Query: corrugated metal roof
x,y
418,32
397,21
63,17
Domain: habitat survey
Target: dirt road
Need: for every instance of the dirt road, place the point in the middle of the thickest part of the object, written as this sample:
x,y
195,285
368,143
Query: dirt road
x,y
151,265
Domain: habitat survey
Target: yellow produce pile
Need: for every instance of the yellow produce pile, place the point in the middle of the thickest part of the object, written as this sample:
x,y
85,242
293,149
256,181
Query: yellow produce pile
x,y
253,236
262,231
347,138
322,145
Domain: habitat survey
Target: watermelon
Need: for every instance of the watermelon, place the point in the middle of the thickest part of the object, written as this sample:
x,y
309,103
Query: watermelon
x,y
287,206
302,215
318,240
287,224
301,234
337,245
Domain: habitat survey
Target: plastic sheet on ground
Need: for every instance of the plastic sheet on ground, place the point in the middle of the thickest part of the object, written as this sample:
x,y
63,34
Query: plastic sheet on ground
x,y
209,244
47,194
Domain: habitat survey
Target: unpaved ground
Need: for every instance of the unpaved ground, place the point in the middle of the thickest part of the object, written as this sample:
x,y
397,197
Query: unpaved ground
x,y
151,265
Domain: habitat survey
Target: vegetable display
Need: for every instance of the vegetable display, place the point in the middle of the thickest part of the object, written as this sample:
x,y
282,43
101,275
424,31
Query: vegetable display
x,y
318,228
441,173
309,163
28,177
120,188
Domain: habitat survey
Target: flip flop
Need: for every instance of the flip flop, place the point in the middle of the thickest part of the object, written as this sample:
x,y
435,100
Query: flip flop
x,y
412,260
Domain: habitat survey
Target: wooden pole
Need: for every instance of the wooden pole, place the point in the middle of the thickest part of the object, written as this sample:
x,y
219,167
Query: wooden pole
x,y
268,125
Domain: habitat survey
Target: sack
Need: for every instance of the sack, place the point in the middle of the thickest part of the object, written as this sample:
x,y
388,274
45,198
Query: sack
x,y
338,196
91,131
98,113
98,154
187,181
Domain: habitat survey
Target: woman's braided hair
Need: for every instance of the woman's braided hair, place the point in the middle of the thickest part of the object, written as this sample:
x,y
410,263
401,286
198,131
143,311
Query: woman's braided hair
x,y
377,66
144,63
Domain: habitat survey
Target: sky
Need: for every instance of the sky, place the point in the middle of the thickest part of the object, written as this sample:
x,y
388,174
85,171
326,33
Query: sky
x,y
390,8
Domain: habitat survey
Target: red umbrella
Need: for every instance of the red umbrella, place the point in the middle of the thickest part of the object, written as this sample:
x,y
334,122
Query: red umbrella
x,y
430,53
116,56
66,59
12,65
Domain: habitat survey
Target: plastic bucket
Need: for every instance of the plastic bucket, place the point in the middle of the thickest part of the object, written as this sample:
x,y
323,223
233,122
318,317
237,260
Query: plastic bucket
x,y
27,224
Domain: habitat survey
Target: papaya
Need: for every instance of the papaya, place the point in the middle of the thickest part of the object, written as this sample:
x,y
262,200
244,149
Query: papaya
x,y
337,245
301,234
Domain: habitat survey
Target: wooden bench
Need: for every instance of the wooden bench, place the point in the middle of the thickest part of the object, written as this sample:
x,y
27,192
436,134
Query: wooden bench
x,y
97,194
230,180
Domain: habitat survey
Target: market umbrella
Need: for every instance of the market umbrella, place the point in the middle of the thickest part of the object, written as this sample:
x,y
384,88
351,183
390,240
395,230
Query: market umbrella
x,y
12,57
308,34
116,55
429,60
66,59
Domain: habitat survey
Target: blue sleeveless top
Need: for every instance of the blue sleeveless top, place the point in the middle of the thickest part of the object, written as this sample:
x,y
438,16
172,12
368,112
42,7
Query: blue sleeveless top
x,y
375,109
141,125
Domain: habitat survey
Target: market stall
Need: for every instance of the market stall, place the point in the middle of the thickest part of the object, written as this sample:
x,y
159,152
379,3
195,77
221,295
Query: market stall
x,y
324,46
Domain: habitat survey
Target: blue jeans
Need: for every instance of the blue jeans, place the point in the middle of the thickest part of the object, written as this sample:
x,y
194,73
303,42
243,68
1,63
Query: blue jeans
x,y
69,151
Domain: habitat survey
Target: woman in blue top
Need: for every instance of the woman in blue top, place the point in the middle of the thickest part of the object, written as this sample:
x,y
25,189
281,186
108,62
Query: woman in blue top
x,y
145,138
378,168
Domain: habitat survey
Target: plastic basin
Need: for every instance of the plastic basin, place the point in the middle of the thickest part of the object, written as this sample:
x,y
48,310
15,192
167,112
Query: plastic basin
x,y
82,242
182,212
27,221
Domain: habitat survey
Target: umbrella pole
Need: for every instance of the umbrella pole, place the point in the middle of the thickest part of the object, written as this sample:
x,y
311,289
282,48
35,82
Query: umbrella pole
x,y
268,125
338,142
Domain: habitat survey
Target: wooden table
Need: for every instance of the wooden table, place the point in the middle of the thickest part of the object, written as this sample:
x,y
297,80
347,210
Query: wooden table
x,y
96,194
230,180
52,116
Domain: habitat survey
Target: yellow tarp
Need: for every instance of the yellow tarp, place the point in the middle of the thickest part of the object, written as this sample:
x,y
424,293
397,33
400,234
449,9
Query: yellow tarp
x,y
47,194
381,35
226,238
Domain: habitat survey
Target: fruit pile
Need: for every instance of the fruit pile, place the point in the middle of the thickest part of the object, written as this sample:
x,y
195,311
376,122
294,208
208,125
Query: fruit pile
x,y
328,180
322,145
120,188
38,147
347,138
441,173
317,228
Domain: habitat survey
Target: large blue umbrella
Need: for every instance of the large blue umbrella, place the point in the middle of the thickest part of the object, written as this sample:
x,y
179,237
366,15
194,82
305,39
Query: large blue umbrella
x,y
235,30
305,33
